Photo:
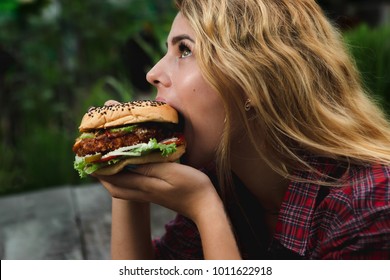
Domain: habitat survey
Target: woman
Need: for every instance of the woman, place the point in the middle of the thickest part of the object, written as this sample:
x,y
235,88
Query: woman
x,y
273,104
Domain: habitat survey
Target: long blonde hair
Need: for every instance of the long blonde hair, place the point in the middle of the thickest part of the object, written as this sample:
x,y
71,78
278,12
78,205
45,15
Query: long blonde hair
x,y
288,59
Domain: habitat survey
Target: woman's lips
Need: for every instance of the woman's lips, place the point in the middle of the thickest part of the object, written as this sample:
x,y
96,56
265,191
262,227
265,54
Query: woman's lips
x,y
160,99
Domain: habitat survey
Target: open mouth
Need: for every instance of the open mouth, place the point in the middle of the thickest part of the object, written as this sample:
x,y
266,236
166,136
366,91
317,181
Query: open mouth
x,y
181,123
181,127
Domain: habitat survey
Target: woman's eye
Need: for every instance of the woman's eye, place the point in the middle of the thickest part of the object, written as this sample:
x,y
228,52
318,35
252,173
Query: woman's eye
x,y
184,50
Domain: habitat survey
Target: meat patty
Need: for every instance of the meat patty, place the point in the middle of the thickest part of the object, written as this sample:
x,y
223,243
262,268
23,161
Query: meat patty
x,y
106,141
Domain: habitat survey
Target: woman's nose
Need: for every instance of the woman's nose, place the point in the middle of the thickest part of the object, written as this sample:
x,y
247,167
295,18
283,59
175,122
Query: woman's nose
x,y
158,75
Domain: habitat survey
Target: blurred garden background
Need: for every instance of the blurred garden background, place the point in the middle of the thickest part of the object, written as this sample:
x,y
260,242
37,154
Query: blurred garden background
x,y
59,57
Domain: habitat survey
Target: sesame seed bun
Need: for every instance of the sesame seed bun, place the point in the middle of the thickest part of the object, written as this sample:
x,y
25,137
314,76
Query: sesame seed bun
x,y
127,113
140,127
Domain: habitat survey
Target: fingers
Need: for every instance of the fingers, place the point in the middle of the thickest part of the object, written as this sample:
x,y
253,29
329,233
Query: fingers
x,y
172,173
115,187
156,170
132,181
164,171
164,176
174,186
111,102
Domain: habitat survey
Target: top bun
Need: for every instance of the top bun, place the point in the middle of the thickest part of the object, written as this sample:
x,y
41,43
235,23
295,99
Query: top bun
x,y
120,114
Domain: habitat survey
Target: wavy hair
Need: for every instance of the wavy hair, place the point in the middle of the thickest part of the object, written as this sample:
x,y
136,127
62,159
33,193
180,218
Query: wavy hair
x,y
304,88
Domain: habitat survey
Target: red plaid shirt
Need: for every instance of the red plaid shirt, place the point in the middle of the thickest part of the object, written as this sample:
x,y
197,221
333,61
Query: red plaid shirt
x,y
351,221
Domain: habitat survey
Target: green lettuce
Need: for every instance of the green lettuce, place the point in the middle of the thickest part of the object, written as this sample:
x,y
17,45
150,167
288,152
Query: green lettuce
x,y
84,169
124,129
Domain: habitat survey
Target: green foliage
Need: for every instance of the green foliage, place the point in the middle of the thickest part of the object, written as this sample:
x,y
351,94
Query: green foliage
x,y
371,49
65,57
47,157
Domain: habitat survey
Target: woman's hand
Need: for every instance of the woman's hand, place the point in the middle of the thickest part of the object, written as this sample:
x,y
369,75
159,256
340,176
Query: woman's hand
x,y
175,186
172,185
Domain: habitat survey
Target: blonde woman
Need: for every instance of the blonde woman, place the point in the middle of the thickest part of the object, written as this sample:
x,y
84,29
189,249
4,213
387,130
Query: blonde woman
x,y
288,158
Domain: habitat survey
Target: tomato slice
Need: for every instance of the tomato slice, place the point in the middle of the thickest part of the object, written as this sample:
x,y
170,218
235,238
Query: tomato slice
x,y
178,140
106,158
182,140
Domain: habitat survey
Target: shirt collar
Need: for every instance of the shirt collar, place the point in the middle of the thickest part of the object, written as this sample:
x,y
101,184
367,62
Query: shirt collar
x,y
299,204
296,214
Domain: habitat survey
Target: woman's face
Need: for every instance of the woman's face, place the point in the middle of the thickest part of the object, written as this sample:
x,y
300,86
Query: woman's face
x,y
180,83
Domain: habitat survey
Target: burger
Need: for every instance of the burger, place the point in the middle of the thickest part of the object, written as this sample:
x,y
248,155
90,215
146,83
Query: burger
x,y
124,134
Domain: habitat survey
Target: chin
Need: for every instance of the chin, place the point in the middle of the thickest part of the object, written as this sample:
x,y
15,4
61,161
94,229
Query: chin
x,y
196,160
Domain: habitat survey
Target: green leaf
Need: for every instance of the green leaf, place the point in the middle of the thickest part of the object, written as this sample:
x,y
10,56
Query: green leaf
x,y
138,150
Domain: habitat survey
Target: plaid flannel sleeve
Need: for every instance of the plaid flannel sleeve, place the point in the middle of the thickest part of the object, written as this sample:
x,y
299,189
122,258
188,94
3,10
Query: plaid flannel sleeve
x,y
180,241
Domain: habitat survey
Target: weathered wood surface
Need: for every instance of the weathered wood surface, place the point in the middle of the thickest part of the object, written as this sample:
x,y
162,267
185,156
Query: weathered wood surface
x,y
62,223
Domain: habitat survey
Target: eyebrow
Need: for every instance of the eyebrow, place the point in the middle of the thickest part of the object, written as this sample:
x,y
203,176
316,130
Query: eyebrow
x,y
179,38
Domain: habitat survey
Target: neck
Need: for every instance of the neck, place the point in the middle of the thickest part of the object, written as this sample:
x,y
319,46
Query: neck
x,y
263,182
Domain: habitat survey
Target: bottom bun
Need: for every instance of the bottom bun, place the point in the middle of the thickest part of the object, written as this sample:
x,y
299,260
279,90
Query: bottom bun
x,y
149,158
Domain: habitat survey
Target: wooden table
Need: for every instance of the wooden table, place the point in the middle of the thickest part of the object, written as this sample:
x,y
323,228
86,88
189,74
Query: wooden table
x,y
69,222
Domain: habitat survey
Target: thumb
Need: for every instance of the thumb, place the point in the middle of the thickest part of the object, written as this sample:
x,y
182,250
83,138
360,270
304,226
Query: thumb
x,y
110,102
